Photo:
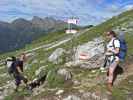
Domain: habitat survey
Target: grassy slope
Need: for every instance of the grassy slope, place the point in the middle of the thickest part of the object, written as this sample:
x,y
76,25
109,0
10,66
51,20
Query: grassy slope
x,y
93,32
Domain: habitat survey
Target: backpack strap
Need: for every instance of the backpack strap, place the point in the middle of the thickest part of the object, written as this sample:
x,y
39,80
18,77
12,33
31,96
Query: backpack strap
x,y
114,46
114,42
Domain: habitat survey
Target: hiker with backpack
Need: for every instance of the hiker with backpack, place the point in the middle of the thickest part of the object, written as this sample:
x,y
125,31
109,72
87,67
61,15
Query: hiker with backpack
x,y
16,69
116,52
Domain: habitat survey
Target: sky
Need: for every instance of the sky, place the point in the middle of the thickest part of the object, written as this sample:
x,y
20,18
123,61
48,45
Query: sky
x,y
87,11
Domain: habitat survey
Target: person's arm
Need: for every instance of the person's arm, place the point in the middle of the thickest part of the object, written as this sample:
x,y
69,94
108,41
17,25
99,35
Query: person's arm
x,y
19,70
116,51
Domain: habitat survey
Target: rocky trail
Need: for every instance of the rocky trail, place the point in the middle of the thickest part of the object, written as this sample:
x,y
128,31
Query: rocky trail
x,y
57,43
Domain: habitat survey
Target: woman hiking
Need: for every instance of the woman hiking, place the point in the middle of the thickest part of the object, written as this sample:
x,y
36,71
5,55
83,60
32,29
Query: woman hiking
x,y
112,51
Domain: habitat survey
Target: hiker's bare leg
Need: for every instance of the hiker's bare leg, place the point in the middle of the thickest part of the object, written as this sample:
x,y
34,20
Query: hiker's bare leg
x,y
111,74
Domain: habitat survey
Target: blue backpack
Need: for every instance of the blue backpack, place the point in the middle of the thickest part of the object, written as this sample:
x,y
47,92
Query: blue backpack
x,y
123,48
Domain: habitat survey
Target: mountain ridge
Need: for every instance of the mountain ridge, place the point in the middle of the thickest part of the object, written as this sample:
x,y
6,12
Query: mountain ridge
x,y
22,31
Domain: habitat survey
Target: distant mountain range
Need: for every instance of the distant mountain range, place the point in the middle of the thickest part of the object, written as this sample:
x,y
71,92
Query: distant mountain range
x,y
19,32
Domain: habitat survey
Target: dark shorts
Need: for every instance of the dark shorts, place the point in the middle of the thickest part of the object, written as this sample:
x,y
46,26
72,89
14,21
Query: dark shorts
x,y
18,78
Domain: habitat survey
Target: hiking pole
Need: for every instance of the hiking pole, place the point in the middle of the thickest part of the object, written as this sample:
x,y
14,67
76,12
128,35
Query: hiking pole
x,y
102,69
105,61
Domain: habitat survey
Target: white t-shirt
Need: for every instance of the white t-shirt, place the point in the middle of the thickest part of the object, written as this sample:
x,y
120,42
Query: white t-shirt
x,y
113,43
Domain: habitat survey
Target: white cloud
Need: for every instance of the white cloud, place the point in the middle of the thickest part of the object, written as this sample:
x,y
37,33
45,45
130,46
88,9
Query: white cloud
x,y
89,11
128,7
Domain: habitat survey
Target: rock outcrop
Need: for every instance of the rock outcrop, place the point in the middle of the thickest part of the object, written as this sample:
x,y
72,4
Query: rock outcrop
x,y
65,73
89,55
55,56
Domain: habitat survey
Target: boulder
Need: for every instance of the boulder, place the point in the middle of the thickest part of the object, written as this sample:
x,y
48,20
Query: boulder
x,y
65,73
89,55
90,49
55,56
94,63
